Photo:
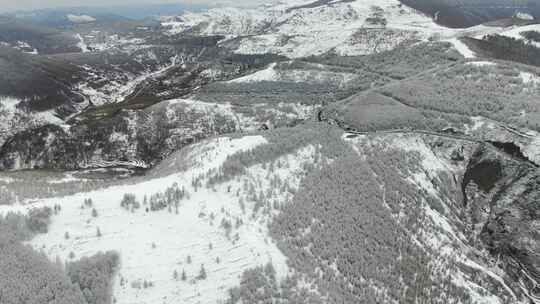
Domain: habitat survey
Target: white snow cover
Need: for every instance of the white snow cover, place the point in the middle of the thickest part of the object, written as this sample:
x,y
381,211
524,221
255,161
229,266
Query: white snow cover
x,y
13,119
482,63
268,74
81,44
211,109
524,16
9,103
515,32
115,91
153,245
340,26
529,78
462,48
80,18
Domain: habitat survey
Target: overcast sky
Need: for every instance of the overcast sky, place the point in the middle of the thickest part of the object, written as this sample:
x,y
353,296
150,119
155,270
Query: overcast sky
x,y
9,5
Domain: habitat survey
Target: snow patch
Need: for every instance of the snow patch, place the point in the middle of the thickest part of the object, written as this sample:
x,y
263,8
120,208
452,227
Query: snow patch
x,y
430,161
524,16
462,48
81,44
80,18
529,78
481,63
516,32
268,74
9,103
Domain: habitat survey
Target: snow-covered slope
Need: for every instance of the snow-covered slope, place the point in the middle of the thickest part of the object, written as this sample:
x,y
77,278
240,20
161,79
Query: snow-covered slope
x,y
153,245
440,229
517,33
233,215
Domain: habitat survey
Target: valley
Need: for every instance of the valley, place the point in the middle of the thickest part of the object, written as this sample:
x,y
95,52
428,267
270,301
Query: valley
x,y
298,152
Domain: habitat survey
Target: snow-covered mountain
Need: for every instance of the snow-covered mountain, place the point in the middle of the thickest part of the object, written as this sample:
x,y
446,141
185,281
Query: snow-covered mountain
x,y
301,152
299,29
304,28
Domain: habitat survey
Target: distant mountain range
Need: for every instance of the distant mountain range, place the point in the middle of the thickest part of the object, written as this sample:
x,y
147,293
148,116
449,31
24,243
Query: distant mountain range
x,y
59,17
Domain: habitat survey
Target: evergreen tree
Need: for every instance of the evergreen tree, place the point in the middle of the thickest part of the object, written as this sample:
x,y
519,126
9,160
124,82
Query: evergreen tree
x,y
184,276
202,273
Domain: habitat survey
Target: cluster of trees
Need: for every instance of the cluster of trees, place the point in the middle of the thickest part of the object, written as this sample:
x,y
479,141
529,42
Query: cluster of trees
x,y
129,202
371,111
93,276
398,63
260,100
432,102
142,284
377,17
182,276
260,285
508,48
24,227
28,276
533,36
350,228
15,185
43,82
170,198
497,92
38,219
88,202
261,103
264,92
325,138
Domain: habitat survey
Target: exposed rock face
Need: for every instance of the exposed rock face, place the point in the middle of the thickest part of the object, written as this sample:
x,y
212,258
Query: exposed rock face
x,y
128,138
502,196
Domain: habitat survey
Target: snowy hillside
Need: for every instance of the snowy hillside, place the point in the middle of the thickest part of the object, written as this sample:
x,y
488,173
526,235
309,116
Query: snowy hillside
x,y
210,226
191,228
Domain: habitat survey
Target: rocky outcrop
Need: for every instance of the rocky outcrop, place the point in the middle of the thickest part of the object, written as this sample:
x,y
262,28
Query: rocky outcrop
x,y
502,195
132,138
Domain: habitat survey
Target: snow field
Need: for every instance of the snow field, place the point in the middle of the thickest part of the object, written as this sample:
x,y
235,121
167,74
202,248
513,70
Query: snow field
x,y
153,245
